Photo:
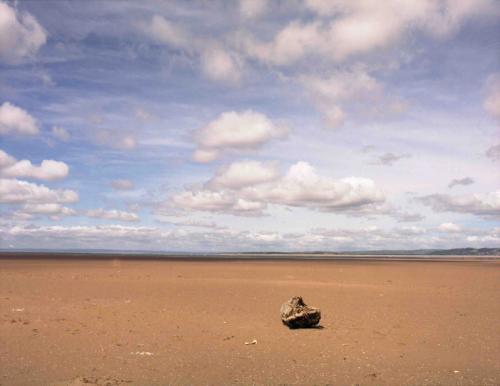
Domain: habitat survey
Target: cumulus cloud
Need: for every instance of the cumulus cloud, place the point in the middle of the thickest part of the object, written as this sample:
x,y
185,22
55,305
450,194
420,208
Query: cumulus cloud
x,y
213,201
50,208
247,188
48,170
244,173
53,210
329,94
122,184
303,186
492,102
460,181
480,204
289,45
13,191
235,131
112,214
15,120
449,227
60,133
6,160
21,36
349,28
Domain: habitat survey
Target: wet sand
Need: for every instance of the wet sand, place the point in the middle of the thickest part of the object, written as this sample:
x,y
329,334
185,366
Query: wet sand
x,y
186,322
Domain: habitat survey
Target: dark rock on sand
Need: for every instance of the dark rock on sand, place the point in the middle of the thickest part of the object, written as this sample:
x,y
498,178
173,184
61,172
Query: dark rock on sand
x,y
296,314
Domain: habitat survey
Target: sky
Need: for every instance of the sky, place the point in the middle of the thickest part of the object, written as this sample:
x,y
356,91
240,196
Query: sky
x,y
258,125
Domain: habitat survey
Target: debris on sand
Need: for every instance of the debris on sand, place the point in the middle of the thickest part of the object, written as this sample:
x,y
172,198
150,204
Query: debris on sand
x,y
252,342
146,353
99,381
296,314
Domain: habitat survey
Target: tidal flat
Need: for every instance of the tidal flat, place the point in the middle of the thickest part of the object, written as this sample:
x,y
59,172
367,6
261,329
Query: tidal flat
x,y
157,322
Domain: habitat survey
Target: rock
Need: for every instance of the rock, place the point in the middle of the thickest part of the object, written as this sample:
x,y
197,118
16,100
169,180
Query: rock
x,y
296,314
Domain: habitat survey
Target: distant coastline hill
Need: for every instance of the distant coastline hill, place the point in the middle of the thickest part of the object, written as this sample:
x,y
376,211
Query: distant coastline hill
x,y
435,252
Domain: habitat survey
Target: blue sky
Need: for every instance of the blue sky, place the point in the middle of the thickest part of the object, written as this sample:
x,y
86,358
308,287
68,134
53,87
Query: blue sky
x,y
251,125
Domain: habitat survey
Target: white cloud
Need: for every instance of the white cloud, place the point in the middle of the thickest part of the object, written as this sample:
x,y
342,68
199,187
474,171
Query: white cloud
x,y
122,184
205,155
480,204
48,170
302,186
289,45
14,191
244,173
367,26
167,32
410,230
53,210
341,85
450,227
219,64
21,36
492,101
191,223
252,8
86,236
213,201
247,188
351,28
60,133
235,131
112,214
6,160
329,94
134,237
16,120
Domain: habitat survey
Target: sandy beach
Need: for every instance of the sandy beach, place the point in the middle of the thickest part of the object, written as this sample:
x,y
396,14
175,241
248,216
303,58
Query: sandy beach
x,y
186,322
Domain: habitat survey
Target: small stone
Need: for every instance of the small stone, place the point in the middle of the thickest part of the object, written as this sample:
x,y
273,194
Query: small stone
x,y
296,314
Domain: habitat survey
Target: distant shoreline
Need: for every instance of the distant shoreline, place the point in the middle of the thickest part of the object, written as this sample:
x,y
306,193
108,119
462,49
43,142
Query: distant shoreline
x,y
136,256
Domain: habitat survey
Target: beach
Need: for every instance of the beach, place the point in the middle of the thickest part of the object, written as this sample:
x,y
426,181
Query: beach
x,y
187,322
